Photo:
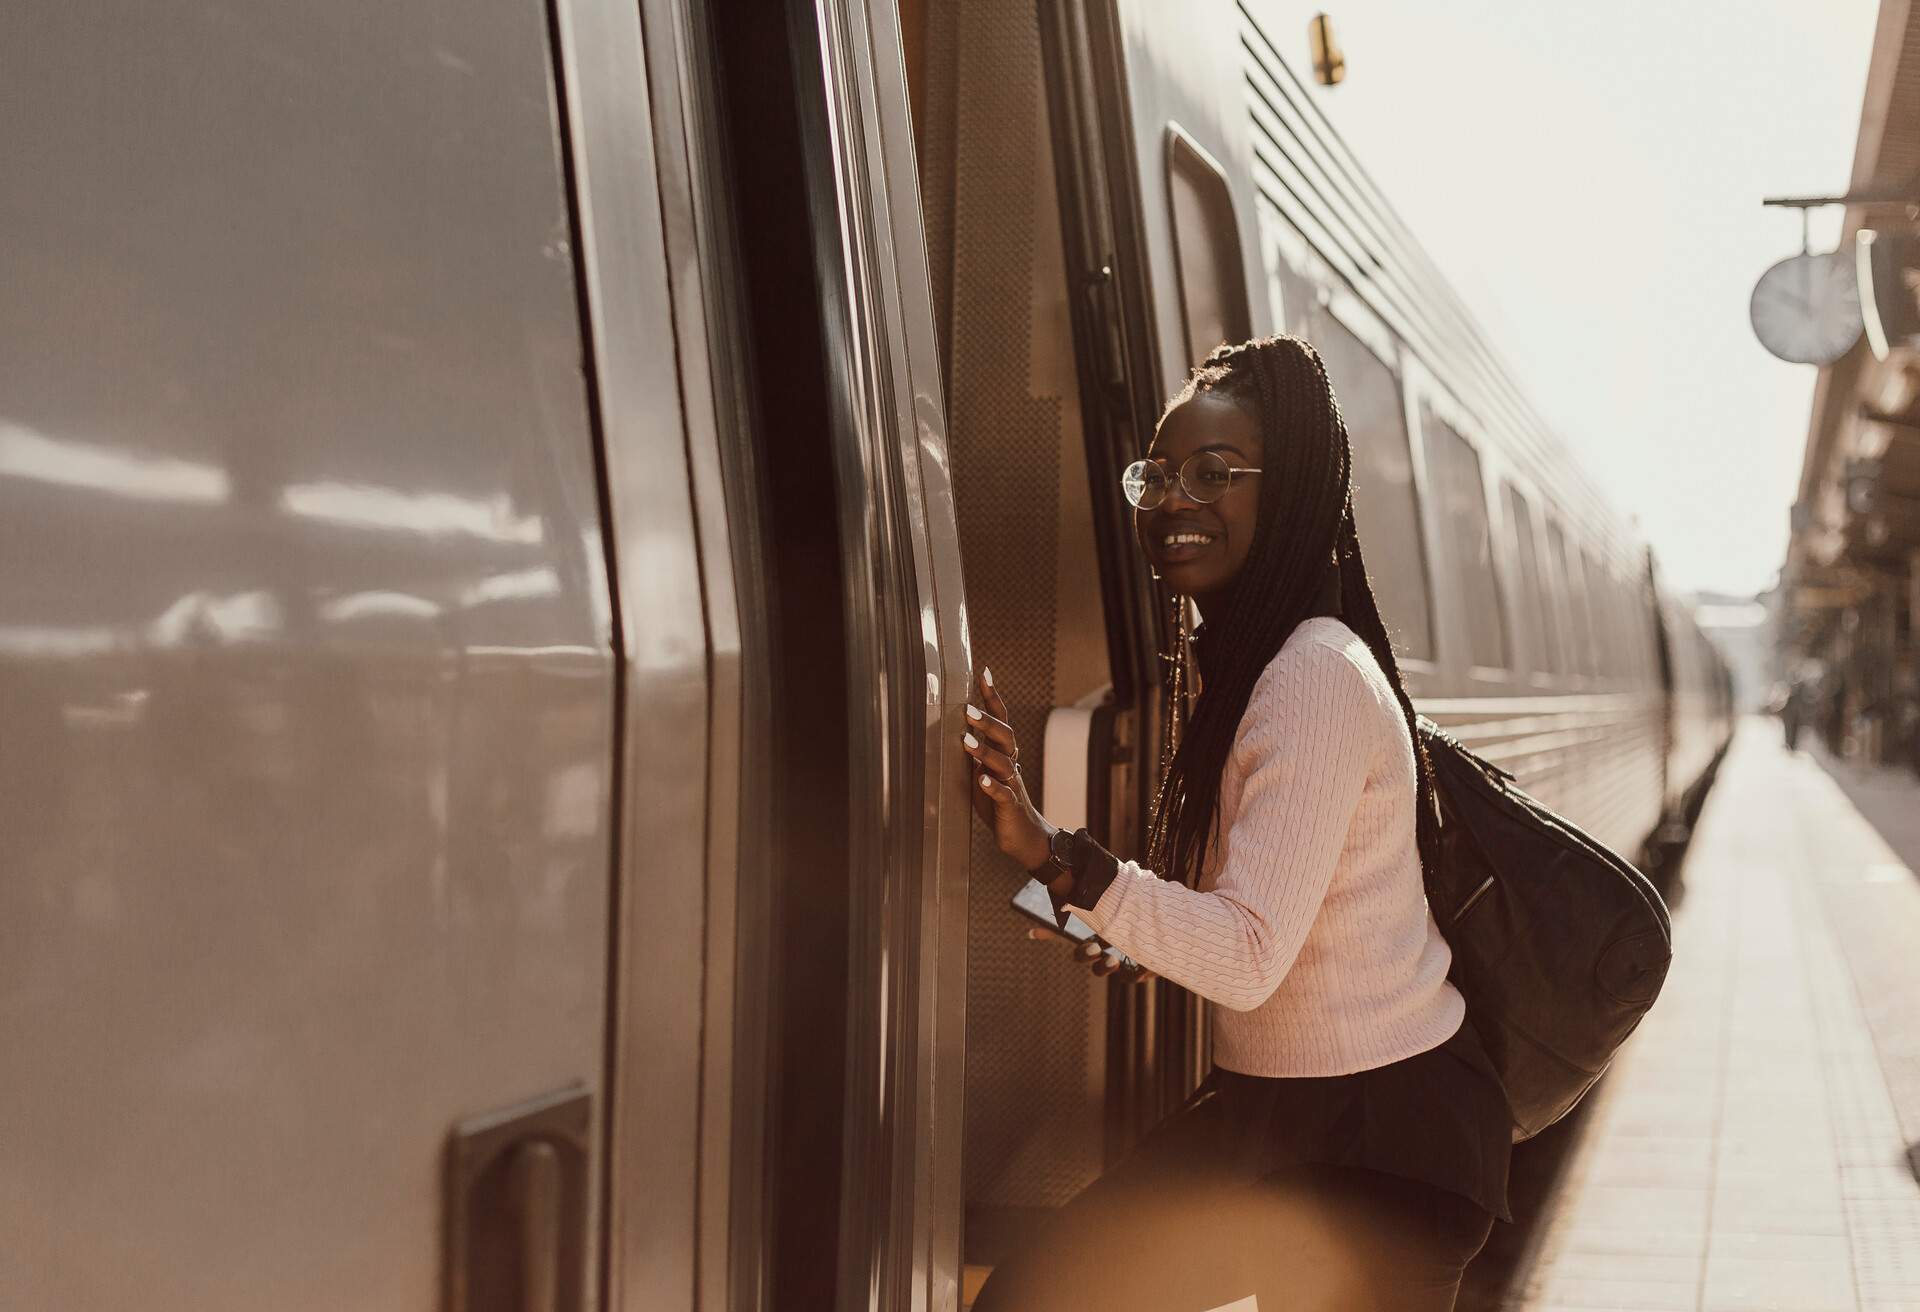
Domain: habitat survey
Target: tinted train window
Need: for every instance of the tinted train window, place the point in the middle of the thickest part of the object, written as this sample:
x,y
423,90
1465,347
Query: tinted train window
x,y
1213,278
1463,518
1386,502
1537,618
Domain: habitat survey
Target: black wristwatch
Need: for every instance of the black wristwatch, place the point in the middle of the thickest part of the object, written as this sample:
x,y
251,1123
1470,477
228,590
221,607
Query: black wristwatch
x,y
1059,857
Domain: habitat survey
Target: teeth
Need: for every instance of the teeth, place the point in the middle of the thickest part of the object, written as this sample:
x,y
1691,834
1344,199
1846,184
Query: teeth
x,y
1184,539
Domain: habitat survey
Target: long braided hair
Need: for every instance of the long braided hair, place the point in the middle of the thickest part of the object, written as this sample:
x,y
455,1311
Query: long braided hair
x,y
1305,531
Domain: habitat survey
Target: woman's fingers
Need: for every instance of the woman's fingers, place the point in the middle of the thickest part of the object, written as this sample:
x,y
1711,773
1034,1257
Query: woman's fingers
x,y
992,728
1103,959
1086,951
996,763
990,696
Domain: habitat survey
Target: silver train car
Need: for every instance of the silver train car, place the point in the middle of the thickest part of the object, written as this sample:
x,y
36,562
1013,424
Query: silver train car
x,y
500,507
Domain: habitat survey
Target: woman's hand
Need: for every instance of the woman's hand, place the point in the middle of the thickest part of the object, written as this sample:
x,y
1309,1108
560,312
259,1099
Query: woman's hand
x,y
1000,798
1104,960
999,794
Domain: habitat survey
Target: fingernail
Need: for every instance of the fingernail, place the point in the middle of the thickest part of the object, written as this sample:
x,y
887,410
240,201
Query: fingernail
x,y
987,674
973,712
986,782
969,740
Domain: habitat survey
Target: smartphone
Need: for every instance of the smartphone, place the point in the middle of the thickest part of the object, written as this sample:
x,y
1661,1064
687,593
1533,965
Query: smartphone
x,y
1036,904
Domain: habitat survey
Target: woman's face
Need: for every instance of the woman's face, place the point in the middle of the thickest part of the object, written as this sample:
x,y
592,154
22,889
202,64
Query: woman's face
x,y
1198,547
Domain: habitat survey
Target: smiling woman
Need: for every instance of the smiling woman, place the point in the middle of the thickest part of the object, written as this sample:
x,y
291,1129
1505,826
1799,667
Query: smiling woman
x,y
1350,1146
1197,524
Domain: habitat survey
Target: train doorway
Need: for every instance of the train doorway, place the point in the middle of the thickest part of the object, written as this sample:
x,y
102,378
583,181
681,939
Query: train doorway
x,y
1035,312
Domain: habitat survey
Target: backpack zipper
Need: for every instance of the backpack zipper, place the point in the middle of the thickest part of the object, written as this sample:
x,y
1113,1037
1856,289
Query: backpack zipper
x,y
1472,899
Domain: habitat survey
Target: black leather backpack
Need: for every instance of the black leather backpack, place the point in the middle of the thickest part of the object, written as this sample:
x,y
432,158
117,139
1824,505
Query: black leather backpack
x,y
1559,945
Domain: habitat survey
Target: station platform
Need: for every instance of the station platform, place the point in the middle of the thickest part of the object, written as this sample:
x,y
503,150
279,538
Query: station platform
x,y
1757,1142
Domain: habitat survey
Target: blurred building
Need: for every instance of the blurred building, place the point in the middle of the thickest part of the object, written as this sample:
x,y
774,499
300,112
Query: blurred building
x,y
1851,585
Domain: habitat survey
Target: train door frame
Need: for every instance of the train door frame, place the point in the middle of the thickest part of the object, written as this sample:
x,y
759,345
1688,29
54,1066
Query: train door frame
x,y
901,1201
689,1066
1154,1037
679,704
710,340
894,1158
1119,118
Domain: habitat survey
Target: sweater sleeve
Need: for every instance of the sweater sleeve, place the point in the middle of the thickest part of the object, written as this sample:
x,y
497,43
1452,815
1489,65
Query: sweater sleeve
x,y
1306,744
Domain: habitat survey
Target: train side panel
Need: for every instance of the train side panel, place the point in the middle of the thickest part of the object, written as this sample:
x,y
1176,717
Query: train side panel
x,y
305,642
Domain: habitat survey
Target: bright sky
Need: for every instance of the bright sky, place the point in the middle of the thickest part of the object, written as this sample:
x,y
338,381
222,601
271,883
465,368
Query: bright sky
x,y
1589,176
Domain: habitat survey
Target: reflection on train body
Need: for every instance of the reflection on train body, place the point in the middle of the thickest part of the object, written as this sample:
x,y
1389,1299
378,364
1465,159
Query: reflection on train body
x,y
484,496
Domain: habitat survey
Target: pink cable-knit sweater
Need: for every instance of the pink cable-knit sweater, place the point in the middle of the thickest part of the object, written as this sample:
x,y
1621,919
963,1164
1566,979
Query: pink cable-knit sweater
x,y
1309,926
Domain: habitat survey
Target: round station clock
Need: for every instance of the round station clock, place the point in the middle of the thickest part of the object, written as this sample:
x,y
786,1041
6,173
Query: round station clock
x,y
1806,309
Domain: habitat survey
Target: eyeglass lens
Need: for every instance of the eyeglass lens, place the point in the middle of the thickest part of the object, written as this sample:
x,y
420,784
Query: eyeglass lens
x,y
1205,477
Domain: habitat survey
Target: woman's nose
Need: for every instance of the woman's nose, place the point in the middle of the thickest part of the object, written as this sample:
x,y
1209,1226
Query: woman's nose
x,y
1177,494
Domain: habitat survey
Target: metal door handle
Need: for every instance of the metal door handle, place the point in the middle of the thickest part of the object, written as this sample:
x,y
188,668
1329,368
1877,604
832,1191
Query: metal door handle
x,y
516,1207
536,1187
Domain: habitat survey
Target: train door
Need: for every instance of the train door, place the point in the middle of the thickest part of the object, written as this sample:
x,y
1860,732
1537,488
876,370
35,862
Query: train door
x,y
309,664
1079,259
1037,545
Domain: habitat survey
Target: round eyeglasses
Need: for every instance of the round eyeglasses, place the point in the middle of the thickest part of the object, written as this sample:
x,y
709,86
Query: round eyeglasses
x,y
1205,477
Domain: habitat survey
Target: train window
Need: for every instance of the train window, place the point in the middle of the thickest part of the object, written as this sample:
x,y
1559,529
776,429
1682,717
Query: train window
x,y
1537,615
1386,499
1563,573
1463,517
1206,242
1619,653
1590,620
1606,632
1606,628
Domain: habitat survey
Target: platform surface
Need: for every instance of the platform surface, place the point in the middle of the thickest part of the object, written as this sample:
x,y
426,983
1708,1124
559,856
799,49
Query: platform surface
x,y
1751,1148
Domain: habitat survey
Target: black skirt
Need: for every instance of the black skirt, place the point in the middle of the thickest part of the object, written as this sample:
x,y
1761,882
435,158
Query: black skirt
x,y
1438,1118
